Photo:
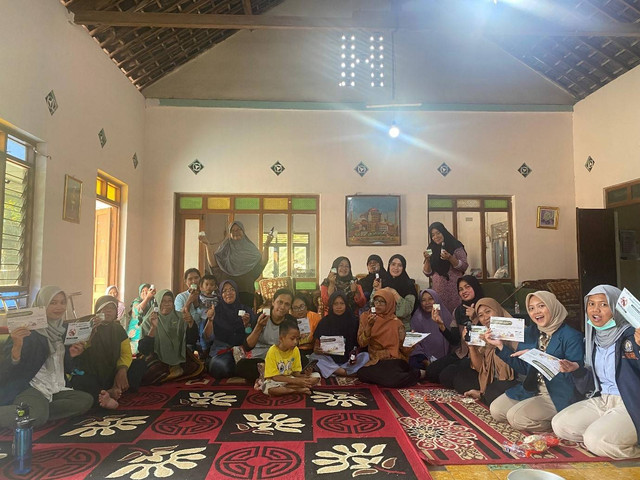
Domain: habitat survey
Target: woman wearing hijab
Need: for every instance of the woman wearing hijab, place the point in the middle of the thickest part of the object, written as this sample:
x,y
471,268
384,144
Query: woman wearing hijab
x,y
469,292
402,287
104,367
307,322
113,291
224,329
140,306
532,404
238,259
486,377
446,263
32,368
608,422
340,322
164,334
440,328
340,279
375,267
383,333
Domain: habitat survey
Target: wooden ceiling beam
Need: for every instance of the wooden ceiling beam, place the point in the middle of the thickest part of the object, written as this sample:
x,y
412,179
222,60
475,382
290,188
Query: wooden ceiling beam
x,y
370,21
246,6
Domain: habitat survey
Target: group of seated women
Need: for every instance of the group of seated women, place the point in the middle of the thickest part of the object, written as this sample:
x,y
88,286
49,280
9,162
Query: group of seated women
x,y
592,400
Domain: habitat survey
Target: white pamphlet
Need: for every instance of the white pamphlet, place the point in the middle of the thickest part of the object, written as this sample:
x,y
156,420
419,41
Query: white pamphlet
x,y
78,332
332,345
506,328
547,365
411,338
474,336
304,326
33,318
629,307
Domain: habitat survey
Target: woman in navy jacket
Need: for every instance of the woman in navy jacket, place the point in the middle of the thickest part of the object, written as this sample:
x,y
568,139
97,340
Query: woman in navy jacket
x,y
607,422
533,403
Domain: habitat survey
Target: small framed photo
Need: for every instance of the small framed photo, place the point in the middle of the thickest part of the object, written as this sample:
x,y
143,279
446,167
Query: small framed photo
x,y
72,199
548,217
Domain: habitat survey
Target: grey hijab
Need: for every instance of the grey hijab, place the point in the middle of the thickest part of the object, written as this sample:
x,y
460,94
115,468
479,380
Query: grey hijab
x,y
603,338
55,331
237,257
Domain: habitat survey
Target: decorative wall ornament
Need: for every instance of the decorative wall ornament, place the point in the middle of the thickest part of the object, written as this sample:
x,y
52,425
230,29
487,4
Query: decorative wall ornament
x,y
72,199
372,220
135,160
361,169
52,103
277,168
590,163
547,217
103,138
525,170
444,169
196,166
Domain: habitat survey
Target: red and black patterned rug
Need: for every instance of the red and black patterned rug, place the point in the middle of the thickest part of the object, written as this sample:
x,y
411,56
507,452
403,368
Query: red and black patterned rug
x,y
200,430
450,429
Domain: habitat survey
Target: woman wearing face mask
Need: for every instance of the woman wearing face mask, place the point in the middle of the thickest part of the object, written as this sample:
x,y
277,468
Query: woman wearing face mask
x,y
32,368
469,292
532,404
608,423
401,286
383,333
375,269
446,263
104,367
340,279
486,377
339,322
164,334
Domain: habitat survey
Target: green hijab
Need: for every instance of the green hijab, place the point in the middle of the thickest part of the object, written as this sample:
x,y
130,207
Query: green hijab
x,y
55,331
170,340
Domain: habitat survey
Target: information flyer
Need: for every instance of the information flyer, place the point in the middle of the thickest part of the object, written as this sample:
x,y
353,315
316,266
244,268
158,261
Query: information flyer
x,y
412,338
33,318
629,306
547,365
474,336
506,328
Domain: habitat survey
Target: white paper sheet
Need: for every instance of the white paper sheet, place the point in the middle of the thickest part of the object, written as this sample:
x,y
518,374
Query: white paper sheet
x,y
547,365
509,329
629,307
78,332
33,318
474,336
303,325
412,338
332,345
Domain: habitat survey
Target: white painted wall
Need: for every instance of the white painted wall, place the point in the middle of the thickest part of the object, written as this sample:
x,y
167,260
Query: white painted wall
x,y
41,51
605,127
320,149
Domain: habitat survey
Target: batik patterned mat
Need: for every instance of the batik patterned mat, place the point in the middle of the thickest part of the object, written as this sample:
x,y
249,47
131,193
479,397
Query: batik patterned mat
x,y
197,430
449,429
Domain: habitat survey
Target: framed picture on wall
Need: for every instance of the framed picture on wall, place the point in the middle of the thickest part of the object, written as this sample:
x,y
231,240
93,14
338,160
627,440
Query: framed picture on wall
x,y
72,199
372,220
547,217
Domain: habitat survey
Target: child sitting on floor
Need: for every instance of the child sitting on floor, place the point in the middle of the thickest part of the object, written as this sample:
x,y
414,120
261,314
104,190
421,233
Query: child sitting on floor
x,y
283,369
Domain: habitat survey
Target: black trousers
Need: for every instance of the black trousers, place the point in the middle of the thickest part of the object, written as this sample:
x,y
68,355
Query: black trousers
x,y
92,384
393,373
434,369
247,368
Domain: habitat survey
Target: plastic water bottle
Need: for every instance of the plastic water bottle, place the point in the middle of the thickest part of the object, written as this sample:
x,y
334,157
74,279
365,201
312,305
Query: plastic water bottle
x,y
22,441
516,307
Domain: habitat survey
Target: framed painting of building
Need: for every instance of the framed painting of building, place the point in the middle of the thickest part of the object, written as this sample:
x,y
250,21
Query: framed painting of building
x,y
372,220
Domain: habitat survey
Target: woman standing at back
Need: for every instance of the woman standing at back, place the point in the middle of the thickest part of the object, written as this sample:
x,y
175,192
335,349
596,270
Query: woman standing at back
x,y
445,264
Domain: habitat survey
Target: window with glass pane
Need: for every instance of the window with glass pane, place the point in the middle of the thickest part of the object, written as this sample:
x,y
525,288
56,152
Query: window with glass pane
x,y
17,158
483,225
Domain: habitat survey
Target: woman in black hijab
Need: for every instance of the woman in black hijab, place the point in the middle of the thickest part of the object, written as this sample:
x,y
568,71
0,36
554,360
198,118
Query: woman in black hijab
x,y
445,261
402,287
341,279
376,270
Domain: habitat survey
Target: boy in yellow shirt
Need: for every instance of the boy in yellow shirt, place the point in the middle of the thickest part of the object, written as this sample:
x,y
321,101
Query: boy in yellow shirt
x,y
282,367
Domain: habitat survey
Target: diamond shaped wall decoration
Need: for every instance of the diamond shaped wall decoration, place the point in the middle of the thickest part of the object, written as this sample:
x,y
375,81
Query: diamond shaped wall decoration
x,y
444,169
525,170
589,164
135,160
361,169
52,104
196,167
277,168
103,137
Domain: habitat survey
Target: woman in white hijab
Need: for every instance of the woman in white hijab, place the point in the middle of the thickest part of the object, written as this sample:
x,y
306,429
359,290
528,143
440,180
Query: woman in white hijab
x,y
32,368
607,422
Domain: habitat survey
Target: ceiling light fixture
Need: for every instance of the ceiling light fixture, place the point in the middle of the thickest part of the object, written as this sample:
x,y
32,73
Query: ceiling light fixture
x,y
394,131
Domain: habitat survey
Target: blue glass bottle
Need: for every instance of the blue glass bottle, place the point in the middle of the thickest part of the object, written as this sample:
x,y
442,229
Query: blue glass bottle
x,y
22,441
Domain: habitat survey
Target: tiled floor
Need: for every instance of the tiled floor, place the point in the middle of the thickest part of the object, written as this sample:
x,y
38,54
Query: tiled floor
x,y
624,470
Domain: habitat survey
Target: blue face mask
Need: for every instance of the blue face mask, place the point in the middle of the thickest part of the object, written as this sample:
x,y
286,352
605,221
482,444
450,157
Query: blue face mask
x,y
610,324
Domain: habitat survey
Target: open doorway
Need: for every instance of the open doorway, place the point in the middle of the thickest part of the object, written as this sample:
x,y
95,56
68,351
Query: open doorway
x,y
105,254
